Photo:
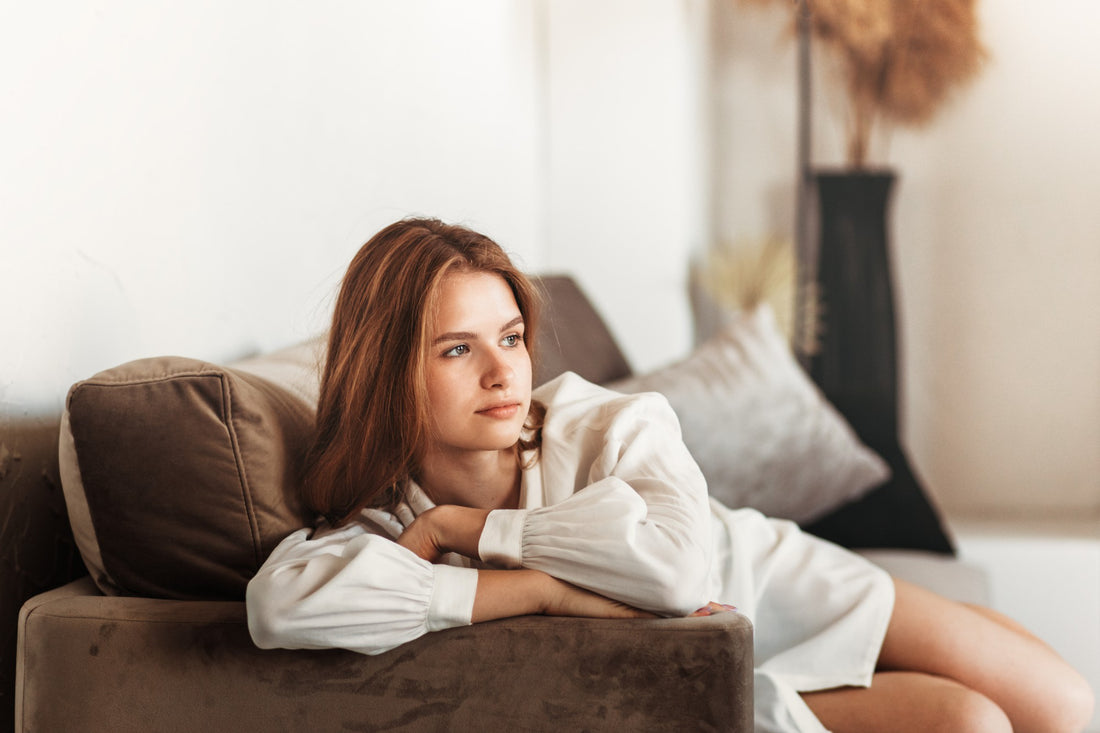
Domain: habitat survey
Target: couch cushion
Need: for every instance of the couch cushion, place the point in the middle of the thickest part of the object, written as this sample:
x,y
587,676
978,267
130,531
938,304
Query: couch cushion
x,y
760,430
897,514
573,337
180,476
947,576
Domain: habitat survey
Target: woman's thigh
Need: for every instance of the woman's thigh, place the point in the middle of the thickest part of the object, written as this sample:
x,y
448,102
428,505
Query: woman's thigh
x,y
988,654
907,702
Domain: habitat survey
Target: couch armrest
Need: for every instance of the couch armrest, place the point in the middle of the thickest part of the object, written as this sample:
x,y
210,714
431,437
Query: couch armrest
x,y
95,663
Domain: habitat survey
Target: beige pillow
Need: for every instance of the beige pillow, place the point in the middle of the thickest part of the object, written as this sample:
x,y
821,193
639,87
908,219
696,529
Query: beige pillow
x,y
760,430
180,476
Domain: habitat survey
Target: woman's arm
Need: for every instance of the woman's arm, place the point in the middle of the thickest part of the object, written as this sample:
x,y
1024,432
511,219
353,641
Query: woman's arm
x,y
505,593
638,528
638,533
354,590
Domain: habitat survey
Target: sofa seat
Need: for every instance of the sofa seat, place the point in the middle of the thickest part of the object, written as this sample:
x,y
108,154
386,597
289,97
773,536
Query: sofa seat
x,y
946,575
91,663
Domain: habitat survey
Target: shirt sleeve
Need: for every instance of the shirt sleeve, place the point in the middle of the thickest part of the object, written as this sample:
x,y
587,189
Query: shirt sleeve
x,y
637,531
353,590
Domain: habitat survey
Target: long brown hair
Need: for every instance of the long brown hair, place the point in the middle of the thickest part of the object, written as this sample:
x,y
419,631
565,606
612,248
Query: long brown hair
x,y
372,419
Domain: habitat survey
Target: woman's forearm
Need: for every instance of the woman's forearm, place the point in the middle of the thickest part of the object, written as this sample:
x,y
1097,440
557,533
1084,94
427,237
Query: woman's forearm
x,y
647,551
452,528
504,593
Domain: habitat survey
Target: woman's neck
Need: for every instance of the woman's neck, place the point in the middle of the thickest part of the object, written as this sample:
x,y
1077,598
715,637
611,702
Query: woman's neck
x,y
483,480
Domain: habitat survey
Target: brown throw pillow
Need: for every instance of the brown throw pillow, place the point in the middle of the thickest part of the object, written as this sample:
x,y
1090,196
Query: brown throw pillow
x,y
181,476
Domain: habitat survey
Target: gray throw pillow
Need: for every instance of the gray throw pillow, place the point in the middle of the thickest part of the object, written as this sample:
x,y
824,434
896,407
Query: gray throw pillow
x,y
761,431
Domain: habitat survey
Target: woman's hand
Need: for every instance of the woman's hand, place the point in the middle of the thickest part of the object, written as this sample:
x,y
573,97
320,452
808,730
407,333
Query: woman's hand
x,y
422,537
712,608
445,528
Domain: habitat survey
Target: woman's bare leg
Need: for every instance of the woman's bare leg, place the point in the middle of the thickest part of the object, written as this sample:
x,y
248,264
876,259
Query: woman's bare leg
x,y
979,658
1003,620
907,702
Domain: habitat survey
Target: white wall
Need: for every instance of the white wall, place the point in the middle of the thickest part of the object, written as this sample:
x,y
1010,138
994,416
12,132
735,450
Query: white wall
x,y
628,146
193,177
996,247
999,252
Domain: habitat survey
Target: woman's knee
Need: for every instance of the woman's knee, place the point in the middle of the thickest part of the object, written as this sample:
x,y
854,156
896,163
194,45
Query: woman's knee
x,y
1064,705
962,709
1080,704
1067,702
983,651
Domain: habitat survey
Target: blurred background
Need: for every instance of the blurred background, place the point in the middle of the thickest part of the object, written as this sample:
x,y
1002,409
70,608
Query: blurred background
x,y
192,178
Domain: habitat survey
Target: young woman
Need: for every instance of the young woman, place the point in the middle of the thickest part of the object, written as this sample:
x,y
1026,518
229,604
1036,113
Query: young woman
x,y
451,494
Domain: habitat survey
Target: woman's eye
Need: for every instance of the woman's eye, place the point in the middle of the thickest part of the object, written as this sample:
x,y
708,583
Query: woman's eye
x,y
457,350
513,339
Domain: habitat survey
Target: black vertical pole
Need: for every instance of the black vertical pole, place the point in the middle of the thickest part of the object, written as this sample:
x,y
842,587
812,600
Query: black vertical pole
x,y
805,337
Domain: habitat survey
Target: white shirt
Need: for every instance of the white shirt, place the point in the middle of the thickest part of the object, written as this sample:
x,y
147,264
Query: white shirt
x,y
614,504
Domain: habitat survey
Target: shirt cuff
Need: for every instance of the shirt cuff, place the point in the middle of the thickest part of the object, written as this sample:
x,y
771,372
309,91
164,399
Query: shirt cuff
x,y
501,542
453,591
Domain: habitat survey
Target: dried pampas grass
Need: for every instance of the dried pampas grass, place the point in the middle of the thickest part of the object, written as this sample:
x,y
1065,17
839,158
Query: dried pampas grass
x,y
738,276
899,59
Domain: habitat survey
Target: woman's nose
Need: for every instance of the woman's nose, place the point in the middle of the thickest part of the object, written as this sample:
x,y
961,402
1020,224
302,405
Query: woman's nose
x,y
498,372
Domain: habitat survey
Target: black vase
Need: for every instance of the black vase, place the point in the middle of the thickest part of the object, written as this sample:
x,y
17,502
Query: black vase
x,y
856,363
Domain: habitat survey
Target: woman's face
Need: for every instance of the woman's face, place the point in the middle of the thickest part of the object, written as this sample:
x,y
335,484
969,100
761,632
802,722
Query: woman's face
x,y
478,368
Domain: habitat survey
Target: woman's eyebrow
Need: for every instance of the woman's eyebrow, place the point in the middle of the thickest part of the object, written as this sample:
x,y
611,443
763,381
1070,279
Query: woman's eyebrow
x,y
512,324
467,335
454,336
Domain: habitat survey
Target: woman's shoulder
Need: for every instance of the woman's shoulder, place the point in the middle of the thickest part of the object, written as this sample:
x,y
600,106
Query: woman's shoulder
x,y
573,402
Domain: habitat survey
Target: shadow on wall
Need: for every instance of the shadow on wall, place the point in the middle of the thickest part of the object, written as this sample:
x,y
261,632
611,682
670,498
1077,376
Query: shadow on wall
x,y
37,551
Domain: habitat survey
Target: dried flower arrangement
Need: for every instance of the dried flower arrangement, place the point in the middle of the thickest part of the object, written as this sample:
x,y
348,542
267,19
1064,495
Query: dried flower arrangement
x,y
899,60
739,276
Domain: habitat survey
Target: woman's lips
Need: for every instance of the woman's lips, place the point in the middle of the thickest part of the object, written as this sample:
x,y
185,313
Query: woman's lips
x,y
500,412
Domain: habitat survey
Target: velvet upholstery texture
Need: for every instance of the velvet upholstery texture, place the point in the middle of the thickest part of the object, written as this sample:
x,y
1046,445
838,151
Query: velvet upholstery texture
x,y
94,663
181,476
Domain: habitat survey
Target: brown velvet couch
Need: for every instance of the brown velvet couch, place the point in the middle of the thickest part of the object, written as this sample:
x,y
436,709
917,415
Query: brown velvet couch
x,y
86,661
